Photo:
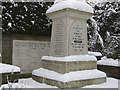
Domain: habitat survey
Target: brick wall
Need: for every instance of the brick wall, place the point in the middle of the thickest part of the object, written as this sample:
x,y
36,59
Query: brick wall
x,y
7,44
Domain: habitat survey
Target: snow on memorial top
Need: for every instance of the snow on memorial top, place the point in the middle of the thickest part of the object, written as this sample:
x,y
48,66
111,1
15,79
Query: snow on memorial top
x,y
72,4
56,1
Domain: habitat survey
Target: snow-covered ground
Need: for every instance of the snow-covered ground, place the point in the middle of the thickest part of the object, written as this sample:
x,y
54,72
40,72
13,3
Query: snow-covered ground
x,y
111,83
109,62
30,83
6,68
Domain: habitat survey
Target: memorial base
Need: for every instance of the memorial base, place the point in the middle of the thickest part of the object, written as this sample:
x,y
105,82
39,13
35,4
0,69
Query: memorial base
x,y
76,79
69,72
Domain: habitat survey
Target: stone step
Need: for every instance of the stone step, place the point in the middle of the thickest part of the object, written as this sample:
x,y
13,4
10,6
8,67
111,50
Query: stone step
x,y
69,80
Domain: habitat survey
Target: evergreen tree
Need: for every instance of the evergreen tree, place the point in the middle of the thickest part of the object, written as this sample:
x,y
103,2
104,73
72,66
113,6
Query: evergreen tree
x,y
107,17
95,42
26,18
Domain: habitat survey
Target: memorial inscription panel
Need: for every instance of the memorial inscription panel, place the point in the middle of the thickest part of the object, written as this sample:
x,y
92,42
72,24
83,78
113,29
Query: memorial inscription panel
x,y
27,54
78,40
58,40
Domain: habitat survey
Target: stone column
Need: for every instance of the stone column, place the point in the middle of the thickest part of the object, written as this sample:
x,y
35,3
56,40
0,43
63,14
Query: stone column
x,y
69,65
69,31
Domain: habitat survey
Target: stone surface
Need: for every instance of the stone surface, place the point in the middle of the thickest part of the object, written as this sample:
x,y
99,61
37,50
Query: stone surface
x,y
27,54
7,44
66,67
73,84
69,37
69,33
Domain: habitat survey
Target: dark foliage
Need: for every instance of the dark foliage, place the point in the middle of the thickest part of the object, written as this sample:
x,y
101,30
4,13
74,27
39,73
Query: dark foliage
x,y
107,17
26,18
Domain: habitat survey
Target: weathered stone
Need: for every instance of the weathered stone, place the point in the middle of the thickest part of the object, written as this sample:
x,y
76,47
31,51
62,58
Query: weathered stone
x,y
69,25
27,54
66,67
7,45
38,79
72,84
69,37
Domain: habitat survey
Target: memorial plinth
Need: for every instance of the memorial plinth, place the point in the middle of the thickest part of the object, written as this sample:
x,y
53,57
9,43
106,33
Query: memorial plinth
x,y
69,65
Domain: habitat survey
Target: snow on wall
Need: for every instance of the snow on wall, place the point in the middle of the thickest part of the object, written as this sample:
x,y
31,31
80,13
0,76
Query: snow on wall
x,y
5,68
95,53
108,62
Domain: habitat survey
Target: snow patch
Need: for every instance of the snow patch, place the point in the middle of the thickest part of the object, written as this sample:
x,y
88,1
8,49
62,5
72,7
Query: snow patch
x,y
5,68
39,0
15,4
72,76
95,53
8,15
74,4
9,24
29,82
109,62
25,8
15,85
12,1
108,33
110,83
32,22
100,38
35,84
71,58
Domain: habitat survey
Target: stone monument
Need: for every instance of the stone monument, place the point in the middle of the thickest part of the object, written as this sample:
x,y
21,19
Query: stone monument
x,y
69,65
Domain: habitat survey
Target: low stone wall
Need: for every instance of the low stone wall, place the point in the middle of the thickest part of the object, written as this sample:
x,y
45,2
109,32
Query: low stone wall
x,y
7,44
27,54
111,71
